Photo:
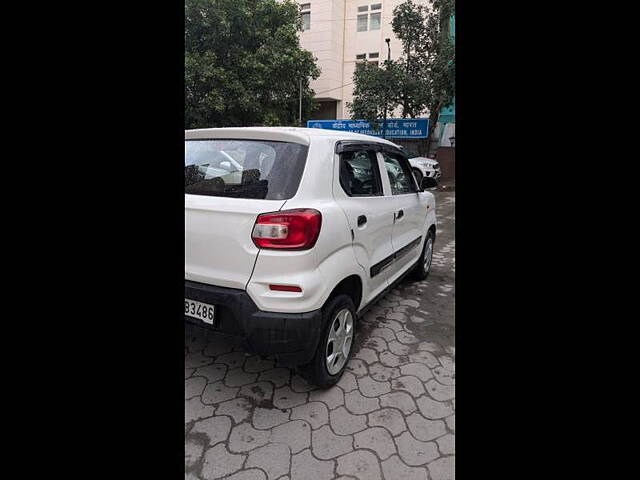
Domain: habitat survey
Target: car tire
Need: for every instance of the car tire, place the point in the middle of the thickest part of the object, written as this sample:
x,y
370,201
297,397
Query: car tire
x,y
423,267
339,312
418,174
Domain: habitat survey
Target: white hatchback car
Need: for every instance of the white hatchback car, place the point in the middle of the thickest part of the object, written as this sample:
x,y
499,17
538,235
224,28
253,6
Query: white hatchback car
x,y
425,167
292,233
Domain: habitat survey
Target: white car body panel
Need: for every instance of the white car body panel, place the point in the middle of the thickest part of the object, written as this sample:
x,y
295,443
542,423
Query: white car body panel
x,y
219,249
218,246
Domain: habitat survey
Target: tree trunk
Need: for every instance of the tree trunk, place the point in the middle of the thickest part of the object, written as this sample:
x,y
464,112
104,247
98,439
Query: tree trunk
x,y
434,115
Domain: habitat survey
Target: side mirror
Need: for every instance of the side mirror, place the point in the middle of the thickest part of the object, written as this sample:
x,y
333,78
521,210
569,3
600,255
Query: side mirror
x,y
428,182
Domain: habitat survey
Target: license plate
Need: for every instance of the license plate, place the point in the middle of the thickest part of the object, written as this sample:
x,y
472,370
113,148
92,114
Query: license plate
x,y
199,310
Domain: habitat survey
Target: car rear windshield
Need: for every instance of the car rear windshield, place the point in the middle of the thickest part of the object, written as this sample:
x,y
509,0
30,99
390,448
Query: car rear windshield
x,y
243,168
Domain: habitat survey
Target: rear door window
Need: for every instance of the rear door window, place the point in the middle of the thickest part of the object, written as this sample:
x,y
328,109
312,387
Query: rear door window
x,y
359,174
399,172
257,169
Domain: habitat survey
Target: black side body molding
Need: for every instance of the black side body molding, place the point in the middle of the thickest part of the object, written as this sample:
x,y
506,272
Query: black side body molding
x,y
378,267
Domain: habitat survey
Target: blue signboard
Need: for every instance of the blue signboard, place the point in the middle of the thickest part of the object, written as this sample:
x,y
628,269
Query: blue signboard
x,y
396,127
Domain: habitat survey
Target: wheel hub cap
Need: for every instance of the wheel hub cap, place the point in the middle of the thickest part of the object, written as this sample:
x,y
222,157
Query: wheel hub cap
x,y
339,341
428,253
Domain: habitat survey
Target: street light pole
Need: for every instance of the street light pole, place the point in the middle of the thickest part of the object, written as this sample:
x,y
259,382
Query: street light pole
x,y
384,122
300,106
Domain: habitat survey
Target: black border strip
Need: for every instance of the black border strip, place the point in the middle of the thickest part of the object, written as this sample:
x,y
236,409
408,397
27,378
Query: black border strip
x,y
380,266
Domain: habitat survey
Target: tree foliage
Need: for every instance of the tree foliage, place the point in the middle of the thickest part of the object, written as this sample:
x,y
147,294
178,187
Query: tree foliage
x,y
243,63
423,78
374,91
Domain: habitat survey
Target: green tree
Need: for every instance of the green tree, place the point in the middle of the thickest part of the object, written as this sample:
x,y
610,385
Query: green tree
x,y
409,26
374,92
439,71
243,63
423,78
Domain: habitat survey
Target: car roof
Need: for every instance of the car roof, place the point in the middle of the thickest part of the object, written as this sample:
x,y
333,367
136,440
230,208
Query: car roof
x,y
290,134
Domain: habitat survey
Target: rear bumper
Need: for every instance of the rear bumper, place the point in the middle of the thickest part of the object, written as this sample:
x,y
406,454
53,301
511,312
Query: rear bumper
x,y
290,337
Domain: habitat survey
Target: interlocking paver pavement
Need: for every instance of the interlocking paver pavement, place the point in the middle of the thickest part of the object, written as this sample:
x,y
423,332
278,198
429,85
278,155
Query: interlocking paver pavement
x,y
392,415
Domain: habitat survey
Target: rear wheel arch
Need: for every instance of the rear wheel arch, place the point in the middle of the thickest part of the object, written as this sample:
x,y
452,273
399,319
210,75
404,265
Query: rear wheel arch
x,y
351,286
432,231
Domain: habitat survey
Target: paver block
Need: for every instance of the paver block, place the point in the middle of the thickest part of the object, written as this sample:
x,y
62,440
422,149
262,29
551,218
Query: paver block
x,y
194,386
393,468
215,428
410,384
278,376
447,444
212,373
414,452
194,409
258,392
305,467
274,459
400,400
244,438
367,355
440,392
252,474
218,462
419,370
360,464
389,418
372,388
267,418
315,413
326,445
296,434
433,409
237,377
358,367
239,409
192,452
424,429
233,359
344,423
358,404
285,397
377,439
218,392
332,397
442,469
347,382
255,364
451,422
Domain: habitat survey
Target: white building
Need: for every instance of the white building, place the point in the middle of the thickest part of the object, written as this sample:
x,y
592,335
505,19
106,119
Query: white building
x,y
340,33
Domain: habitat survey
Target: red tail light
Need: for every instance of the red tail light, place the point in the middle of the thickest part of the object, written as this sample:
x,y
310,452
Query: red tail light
x,y
287,230
285,288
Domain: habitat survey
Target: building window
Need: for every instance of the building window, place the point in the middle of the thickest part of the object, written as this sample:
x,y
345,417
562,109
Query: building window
x,y
369,21
362,22
375,21
376,17
305,12
373,58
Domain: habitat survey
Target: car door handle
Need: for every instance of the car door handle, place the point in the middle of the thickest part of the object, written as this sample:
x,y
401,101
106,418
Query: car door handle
x,y
362,220
400,214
